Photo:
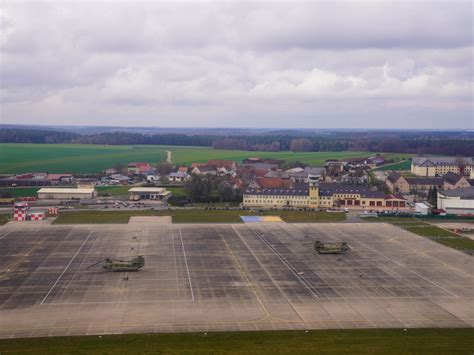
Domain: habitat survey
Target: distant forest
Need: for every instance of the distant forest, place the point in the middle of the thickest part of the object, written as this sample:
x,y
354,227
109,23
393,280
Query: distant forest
x,y
448,143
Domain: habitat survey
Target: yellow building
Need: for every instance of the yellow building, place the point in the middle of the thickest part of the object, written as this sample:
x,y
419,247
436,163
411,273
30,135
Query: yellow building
x,y
439,166
324,195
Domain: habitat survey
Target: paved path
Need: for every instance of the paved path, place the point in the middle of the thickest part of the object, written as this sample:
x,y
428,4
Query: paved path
x,y
168,156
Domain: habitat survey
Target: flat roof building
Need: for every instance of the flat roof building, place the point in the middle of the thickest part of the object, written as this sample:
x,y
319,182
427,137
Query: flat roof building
x,y
457,201
51,193
148,193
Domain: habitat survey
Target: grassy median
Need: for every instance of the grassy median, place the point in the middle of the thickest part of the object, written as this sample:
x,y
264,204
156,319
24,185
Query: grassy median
x,y
193,216
361,341
435,233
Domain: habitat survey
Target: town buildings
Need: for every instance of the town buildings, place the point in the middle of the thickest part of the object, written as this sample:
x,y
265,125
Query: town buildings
x,y
398,183
37,179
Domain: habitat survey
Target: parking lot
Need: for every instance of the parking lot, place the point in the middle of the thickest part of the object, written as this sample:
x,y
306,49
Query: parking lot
x,y
203,277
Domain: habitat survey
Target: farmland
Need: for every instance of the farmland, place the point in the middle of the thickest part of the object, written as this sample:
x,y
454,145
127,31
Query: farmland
x,y
87,159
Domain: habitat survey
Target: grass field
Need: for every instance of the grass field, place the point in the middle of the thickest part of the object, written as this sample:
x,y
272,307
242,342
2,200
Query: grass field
x,y
404,165
20,191
366,341
193,216
430,231
4,218
77,158
435,233
73,158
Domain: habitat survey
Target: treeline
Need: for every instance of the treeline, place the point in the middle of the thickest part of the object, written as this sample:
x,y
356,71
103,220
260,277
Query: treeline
x,y
35,136
394,142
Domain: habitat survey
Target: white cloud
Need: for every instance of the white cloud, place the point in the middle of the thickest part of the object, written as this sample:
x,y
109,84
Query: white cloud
x,y
231,64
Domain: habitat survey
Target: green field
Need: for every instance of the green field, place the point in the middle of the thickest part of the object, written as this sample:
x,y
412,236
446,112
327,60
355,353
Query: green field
x,y
72,158
4,218
404,165
193,216
430,231
20,191
360,341
83,159
435,233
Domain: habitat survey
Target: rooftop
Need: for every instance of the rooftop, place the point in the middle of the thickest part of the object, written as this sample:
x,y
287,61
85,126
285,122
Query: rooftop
x,y
148,189
466,193
58,190
432,161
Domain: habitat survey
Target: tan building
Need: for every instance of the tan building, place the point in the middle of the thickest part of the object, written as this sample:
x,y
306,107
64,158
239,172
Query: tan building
x,y
51,193
439,166
322,195
397,183
148,193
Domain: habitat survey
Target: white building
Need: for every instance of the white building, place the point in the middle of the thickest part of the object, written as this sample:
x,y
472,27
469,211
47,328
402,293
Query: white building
x,y
179,176
422,209
457,201
148,193
51,193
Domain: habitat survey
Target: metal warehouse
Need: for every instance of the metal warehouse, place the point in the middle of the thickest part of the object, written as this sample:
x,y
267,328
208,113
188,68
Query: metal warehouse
x,y
148,193
66,194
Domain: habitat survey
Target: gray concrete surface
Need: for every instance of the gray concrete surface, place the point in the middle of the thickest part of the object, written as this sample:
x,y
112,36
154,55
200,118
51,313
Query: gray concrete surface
x,y
227,277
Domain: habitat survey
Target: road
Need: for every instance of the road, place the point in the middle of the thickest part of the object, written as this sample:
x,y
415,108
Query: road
x,y
168,157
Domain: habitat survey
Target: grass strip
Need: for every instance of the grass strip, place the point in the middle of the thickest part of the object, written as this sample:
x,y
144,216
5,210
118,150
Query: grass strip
x,y
193,216
360,341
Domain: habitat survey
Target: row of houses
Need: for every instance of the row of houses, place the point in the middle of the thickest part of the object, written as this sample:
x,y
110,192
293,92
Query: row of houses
x,y
37,179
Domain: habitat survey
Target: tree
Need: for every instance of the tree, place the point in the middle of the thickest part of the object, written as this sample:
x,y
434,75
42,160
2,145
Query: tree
x,y
433,196
198,188
120,167
164,168
301,145
461,164
227,193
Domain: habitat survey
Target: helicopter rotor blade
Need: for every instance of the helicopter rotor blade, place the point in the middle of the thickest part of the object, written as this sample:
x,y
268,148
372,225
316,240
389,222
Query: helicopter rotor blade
x,y
94,264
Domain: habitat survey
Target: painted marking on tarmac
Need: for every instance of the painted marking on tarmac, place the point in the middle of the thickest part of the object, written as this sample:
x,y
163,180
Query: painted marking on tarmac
x,y
186,262
65,269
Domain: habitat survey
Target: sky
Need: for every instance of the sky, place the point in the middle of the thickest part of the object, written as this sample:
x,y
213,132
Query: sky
x,y
319,64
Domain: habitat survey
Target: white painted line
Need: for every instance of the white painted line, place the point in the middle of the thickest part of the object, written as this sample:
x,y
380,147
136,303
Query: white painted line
x,y
112,302
404,267
288,265
186,262
65,269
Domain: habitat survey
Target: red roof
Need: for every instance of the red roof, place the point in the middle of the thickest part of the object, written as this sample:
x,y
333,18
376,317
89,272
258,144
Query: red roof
x,y
196,165
270,182
57,176
137,164
221,163
261,172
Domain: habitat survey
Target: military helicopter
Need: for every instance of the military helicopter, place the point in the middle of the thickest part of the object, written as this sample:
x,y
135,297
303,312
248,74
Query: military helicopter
x,y
122,265
331,248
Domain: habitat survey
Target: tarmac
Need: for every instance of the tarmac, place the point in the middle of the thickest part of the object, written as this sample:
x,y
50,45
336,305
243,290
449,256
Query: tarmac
x,y
217,277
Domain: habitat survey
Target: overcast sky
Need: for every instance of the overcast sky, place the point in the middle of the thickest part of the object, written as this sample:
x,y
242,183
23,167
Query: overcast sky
x,y
334,64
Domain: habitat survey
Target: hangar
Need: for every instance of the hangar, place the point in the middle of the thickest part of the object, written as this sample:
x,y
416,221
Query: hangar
x,y
66,193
